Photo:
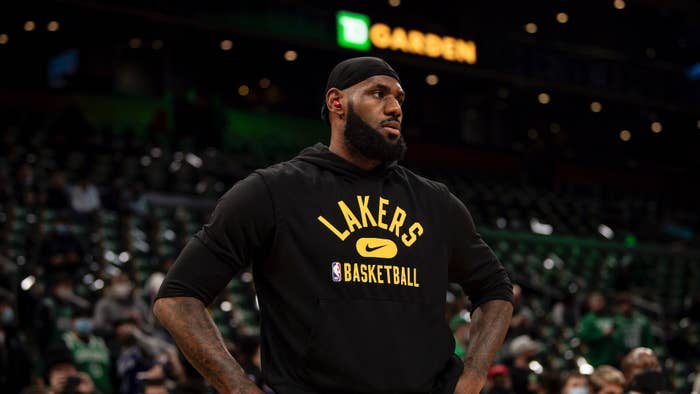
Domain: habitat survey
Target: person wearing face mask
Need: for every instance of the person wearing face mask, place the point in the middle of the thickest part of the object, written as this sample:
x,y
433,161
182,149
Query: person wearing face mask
x,y
121,302
90,353
523,349
575,383
15,364
56,309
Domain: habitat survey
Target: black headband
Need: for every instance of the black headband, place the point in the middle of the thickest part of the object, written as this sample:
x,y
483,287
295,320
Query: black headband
x,y
352,71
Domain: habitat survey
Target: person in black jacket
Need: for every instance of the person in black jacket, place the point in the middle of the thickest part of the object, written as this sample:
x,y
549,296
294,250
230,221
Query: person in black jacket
x,y
351,256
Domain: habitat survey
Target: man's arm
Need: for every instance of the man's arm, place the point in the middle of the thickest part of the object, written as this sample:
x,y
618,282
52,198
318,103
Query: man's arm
x,y
194,331
489,325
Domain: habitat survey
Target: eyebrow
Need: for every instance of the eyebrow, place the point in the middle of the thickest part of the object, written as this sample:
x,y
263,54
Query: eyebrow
x,y
386,88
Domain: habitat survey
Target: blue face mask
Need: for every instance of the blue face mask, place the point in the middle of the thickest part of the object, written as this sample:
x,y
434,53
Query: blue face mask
x,y
7,317
578,390
83,326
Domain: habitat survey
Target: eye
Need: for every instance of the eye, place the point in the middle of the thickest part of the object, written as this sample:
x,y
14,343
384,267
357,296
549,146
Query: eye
x,y
378,94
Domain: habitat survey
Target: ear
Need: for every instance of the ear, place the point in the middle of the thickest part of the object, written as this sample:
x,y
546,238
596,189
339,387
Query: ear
x,y
334,94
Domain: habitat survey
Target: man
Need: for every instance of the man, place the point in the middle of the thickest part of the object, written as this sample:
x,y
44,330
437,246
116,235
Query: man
x,y
575,383
634,327
89,351
351,256
61,375
597,332
607,380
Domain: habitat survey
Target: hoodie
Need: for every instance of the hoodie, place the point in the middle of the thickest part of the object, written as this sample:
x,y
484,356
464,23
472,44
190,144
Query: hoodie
x,y
351,268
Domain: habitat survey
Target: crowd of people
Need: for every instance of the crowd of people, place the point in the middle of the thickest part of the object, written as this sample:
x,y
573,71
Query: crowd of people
x,y
72,321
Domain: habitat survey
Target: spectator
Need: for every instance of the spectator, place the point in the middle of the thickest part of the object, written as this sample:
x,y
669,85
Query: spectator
x,y
607,380
61,375
90,353
460,330
15,363
523,350
120,302
55,311
248,356
55,195
155,386
60,251
84,197
643,373
575,383
632,327
523,319
597,332
26,188
498,380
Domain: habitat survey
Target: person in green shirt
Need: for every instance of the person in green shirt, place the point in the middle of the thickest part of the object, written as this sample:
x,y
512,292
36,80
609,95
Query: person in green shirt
x,y
597,332
633,328
90,353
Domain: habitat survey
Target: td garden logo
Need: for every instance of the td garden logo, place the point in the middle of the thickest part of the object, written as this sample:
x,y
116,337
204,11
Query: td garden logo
x,y
356,32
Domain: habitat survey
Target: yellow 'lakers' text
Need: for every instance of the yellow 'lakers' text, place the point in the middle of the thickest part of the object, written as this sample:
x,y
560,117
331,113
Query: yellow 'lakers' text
x,y
375,216
380,274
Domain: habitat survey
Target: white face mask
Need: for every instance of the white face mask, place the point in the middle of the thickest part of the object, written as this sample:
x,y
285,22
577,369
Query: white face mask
x,y
578,390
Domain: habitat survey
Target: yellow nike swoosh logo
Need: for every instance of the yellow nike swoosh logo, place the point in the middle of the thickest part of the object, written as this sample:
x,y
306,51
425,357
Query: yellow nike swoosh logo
x,y
376,247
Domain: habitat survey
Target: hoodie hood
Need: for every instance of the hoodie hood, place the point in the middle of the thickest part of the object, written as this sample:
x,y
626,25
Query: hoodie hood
x,y
321,156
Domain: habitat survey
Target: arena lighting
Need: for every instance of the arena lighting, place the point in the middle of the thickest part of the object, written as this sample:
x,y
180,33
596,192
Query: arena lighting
x,y
226,306
583,366
531,28
619,4
548,263
657,127
265,83
625,135
290,56
27,282
226,45
4,38
52,26
243,90
596,107
562,17
606,231
355,32
698,124
98,284
543,98
432,79
536,367
194,160
135,43
124,257
29,26
394,3
538,227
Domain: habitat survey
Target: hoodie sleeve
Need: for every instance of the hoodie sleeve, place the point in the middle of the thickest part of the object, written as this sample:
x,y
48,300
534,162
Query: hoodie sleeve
x,y
473,265
237,233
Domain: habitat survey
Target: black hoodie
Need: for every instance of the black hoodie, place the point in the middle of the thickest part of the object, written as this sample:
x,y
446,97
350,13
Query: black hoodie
x,y
351,269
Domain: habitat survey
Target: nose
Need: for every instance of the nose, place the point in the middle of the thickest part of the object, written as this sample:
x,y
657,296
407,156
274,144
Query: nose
x,y
393,107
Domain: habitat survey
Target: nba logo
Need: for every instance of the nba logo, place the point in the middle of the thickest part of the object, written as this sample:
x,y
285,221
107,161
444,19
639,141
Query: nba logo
x,y
336,273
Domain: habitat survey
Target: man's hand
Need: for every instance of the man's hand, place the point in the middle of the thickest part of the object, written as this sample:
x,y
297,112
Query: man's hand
x,y
194,331
469,383
490,323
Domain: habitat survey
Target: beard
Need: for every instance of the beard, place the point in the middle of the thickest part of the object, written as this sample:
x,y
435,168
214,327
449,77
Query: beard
x,y
369,142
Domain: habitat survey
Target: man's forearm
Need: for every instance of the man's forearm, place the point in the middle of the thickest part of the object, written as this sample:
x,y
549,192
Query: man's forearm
x,y
488,329
195,333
